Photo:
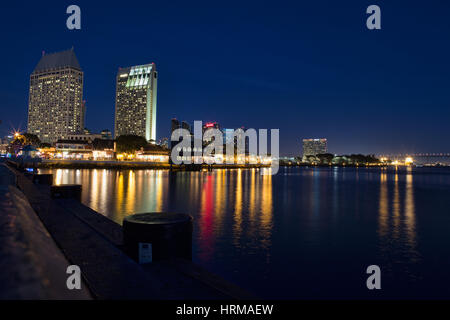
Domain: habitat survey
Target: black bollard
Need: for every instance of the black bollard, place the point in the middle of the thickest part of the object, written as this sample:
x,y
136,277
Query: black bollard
x,y
158,236
43,179
66,191
28,174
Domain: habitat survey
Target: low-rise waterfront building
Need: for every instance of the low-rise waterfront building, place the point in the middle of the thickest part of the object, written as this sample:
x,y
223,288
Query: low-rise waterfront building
x,y
73,149
103,154
89,137
153,156
47,152
106,134
3,149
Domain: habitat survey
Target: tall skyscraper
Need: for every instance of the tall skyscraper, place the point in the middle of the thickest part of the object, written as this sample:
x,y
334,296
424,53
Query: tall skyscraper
x,y
211,125
136,93
186,126
55,107
313,147
175,124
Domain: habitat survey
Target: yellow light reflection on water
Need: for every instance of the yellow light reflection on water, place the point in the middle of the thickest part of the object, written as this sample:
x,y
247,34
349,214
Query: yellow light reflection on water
x,y
220,199
131,192
237,226
59,174
94,188
266,211
383,218
396,208
410,219
397,226
253,193
120,190
159,191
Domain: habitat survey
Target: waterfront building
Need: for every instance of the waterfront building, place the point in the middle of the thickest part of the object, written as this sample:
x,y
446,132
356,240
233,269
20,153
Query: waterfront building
x,y
159,156
85,137
175,124
55,107
186,152
8,139
207,126
211,125
313,147
83,108
106,134
186,126
164,142
136,96
3,148
80,149
228,136
72,149
47,152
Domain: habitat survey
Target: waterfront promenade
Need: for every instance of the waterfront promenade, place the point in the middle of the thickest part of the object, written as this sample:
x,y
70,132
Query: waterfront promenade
x,y
41,237
33,267
113,164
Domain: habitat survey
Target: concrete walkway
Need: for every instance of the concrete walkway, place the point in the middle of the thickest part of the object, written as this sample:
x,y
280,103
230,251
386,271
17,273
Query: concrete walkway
x,y
89,240
32,266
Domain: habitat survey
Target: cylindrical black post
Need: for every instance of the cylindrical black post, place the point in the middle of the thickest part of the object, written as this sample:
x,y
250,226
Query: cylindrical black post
x,y
158,236
28,174
43,179
66,191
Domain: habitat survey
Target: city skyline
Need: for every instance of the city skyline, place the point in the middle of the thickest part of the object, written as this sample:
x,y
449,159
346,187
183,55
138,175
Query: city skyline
x,y
225,158
315,86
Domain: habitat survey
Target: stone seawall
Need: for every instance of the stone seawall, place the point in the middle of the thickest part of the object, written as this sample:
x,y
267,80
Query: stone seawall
x,y
94,243
33,267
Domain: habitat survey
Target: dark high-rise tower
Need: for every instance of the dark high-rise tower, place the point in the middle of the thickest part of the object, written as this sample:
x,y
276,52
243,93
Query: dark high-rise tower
x,y
186,126
55,107
175,124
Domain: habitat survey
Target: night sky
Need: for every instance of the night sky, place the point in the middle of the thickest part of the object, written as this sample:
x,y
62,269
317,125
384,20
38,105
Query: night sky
x,y
310,68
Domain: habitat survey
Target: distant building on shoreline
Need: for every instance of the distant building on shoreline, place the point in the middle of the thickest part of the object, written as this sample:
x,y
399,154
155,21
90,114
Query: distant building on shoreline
x,y
164,142
84,137
106,134
174,124
313,147
56,107
210,125
136,96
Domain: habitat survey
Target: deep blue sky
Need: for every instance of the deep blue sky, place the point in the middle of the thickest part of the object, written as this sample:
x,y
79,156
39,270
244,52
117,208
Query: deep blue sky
x,y
310,68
